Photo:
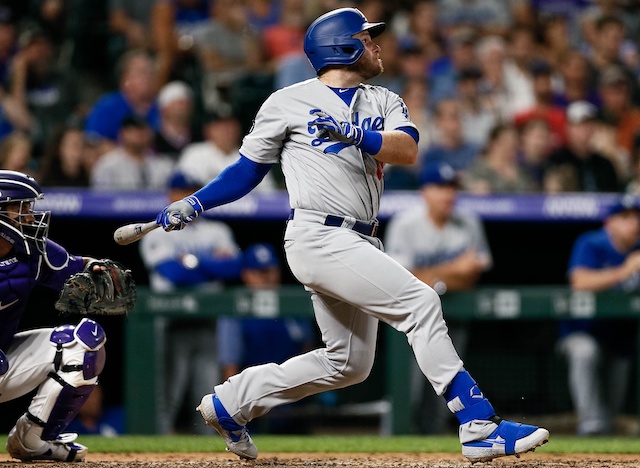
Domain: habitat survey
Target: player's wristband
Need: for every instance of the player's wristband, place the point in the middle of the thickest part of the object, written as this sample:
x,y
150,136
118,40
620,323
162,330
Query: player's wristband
x,y
371,142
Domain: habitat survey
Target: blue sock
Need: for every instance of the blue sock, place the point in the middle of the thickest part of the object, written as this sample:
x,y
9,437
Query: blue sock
x,y
224,418
466,400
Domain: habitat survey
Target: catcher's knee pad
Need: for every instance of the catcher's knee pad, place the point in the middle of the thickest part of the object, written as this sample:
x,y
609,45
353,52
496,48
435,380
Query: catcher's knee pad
x,y
80,353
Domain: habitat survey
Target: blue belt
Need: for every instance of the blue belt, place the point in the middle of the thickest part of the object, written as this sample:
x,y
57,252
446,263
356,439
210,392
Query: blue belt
x,y
368,229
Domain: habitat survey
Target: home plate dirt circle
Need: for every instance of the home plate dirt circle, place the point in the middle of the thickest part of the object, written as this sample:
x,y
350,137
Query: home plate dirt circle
x,y
336,460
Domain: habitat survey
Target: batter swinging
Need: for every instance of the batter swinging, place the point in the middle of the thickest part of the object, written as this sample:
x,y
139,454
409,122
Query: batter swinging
x,y
333,135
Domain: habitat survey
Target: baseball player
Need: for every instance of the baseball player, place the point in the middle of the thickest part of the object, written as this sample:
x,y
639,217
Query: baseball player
x,y
63,363
607,259
332,135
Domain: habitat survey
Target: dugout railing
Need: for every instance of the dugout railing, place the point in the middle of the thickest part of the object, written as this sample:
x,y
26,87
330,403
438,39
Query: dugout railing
x,y
145,325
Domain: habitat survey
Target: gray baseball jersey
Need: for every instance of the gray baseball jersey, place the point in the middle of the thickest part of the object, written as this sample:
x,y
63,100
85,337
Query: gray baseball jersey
x,y
325,176
413,240
353,283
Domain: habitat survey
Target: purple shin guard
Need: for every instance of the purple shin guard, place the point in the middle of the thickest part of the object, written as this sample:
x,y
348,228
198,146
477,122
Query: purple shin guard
x,y
64,410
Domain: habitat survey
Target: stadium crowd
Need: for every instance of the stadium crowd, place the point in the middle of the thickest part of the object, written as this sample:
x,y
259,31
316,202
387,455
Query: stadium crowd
x,y
523,95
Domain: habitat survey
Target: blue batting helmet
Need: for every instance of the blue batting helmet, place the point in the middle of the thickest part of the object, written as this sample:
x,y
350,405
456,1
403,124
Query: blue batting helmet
x,y
329,40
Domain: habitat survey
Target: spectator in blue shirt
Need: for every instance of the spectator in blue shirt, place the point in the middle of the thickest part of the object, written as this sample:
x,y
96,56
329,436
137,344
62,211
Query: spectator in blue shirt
x,y
136,96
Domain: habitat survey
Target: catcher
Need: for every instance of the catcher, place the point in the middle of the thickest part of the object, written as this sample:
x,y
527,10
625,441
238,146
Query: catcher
x,y
63,363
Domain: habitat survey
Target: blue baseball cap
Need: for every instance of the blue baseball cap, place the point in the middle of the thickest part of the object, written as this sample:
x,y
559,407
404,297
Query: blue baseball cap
x,y
622,204
260,257
439,173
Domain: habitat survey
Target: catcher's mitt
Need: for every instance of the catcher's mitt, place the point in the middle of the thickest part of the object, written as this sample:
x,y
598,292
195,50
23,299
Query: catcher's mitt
x,y
111,291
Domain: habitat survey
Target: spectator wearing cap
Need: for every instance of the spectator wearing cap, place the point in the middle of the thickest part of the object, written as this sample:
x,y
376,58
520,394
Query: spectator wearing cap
x,y
204,160
176,105
607,259
136,95
205,258
544,107
447,249
497,170
449,143
592,171
132,165
250,341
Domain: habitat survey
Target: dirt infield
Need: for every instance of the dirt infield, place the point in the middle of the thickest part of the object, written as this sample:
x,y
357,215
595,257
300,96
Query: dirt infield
x,y
315,460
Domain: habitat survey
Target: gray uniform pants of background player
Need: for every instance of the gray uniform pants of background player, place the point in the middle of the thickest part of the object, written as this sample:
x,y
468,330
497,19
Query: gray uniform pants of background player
x,y
354,284
598,391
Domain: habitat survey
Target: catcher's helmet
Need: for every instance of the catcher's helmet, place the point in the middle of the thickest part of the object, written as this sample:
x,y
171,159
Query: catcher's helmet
x,y
22,227
329,40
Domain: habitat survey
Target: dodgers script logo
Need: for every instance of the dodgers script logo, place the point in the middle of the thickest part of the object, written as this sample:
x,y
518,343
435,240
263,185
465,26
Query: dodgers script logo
x,y
368,123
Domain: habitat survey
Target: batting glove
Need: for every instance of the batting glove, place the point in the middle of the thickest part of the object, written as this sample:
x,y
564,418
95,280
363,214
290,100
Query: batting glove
x,y
328,127
180,213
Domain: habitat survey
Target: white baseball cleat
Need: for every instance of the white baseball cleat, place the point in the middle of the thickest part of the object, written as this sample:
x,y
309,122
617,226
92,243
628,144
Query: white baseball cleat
x,y
235,436
510,438
62,449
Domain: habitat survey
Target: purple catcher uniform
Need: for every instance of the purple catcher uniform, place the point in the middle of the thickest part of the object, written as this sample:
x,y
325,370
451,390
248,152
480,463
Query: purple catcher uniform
x,y
63,363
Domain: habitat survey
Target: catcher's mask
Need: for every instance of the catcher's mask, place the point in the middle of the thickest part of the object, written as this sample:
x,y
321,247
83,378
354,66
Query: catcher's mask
x,y
20,224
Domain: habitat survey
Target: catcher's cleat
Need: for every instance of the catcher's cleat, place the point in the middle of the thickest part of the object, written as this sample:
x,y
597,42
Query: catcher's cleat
x,y
63,449
235,436
510,438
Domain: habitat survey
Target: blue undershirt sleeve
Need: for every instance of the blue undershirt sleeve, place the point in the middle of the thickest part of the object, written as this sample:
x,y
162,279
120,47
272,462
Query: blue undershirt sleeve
x,y
412,132
233,183
208,269
175,272
221,268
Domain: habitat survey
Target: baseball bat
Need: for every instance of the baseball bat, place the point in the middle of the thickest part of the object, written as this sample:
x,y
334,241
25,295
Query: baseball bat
x,y
130,233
